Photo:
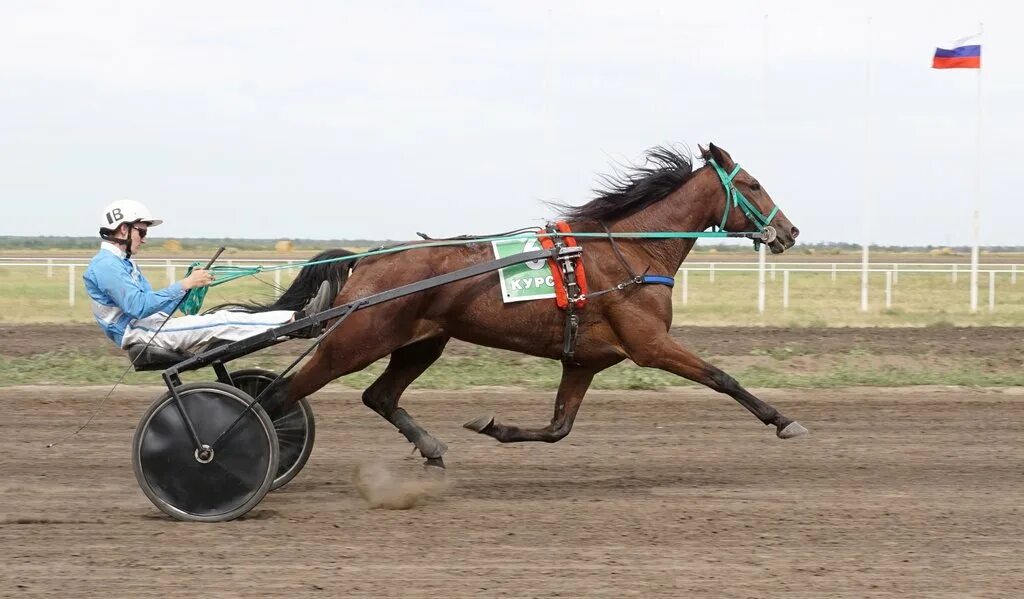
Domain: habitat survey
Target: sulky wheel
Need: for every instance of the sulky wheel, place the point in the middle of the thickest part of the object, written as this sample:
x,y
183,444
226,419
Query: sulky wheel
x,y
295,429
191,486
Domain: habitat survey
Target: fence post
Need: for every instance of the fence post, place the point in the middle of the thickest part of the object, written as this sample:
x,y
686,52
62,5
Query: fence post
x,y
711,273
71,284
865,278
833,272
1013,274
686,286
895,274
773,271
760,278
785,289
277,283
991,291
890,278
170,273
954,273
49,268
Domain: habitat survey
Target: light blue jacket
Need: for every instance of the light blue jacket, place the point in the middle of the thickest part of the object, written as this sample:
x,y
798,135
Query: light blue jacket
x,y
121,295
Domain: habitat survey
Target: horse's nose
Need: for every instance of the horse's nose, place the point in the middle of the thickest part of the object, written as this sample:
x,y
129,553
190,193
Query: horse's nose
x,y
794,232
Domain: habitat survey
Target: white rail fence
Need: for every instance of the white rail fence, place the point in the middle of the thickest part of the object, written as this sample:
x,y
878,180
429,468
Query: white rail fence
x,y
891,272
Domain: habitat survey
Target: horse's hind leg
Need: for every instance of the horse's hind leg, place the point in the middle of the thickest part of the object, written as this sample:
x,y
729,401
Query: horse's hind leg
x,y
331,360
573,386
407,363
667,355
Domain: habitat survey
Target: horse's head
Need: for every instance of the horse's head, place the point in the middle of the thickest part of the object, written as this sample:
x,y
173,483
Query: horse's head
x,y
747,205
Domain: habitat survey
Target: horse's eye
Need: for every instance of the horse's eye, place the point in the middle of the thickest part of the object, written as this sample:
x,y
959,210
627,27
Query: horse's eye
x,y
755,186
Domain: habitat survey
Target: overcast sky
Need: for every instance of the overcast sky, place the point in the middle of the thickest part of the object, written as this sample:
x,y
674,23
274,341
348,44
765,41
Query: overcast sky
x,y
380,119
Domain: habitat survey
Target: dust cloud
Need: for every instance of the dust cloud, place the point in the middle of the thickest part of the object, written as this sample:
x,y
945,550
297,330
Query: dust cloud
x,y
383,488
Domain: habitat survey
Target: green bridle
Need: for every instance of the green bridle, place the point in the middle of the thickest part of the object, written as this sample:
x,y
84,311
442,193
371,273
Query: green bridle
x,y
735,199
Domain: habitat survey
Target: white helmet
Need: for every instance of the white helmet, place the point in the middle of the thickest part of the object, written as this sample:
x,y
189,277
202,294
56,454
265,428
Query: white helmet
x,y
126,211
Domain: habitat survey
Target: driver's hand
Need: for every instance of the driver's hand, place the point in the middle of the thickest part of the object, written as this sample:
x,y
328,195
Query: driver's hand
x,y
198,278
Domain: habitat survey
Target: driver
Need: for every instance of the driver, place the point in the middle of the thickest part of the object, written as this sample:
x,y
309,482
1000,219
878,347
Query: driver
x,y
130,312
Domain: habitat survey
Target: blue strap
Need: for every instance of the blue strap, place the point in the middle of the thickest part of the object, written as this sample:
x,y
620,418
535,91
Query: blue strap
x,y
658,280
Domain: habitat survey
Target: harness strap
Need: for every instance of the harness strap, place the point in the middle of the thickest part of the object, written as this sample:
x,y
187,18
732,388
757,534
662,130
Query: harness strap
x,y
569,335
634,279
618,252
426,237
658,280
564,265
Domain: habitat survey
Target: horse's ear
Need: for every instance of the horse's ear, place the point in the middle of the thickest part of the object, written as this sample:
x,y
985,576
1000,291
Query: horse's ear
x,y
704,154
722,157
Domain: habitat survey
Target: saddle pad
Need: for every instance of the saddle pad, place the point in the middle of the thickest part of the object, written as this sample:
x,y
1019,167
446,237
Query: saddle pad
x,y
527,281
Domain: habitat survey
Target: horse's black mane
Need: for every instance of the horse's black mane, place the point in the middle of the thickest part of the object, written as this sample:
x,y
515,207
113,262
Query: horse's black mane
x,y
664,170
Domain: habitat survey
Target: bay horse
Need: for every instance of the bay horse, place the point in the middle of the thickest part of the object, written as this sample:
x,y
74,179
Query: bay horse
x,y
665,194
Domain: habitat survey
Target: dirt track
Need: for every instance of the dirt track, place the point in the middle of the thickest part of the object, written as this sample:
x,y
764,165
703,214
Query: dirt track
x,y
910,493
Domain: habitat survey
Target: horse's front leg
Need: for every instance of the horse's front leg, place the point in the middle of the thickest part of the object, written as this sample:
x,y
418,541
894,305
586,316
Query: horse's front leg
x,y
573,386
665,354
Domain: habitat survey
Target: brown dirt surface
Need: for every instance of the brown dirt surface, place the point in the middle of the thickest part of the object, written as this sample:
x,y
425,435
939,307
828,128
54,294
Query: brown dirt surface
x,y
31,339
913,492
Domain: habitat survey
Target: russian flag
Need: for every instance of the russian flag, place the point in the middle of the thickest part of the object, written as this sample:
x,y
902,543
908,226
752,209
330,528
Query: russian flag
x,y
961,57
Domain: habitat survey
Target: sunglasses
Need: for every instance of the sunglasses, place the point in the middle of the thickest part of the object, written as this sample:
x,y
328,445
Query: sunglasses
x,y
141,232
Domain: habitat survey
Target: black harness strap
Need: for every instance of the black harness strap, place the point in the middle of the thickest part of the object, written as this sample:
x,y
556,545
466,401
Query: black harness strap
x,y
618,253
566,258
634,279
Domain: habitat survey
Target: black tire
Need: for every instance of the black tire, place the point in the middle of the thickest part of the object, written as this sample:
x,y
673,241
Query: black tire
x,y
240,471
296,428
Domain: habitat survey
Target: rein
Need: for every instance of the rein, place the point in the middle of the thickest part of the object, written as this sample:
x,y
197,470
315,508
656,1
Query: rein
x,y
224,273
733,199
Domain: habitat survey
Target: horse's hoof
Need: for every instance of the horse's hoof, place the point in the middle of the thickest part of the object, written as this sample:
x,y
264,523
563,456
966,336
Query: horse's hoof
x,y
481,424
793,429
434,465
431,448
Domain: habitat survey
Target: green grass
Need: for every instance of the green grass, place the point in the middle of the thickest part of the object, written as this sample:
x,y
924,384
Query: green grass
x,y
28,295
494,368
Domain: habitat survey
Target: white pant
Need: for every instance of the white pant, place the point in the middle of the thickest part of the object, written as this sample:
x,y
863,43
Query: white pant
x,y
190,333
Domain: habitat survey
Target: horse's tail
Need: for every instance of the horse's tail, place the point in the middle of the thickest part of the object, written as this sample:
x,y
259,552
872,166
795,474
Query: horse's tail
x,y
309,279
305,284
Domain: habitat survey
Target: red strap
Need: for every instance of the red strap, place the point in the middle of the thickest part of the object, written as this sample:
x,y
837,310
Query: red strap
x,y
561,297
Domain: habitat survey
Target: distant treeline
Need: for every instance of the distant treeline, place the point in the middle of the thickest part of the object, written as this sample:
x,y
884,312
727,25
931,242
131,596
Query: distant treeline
x,y
12,242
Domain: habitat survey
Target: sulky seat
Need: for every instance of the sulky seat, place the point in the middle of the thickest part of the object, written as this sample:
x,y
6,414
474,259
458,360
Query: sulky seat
x,y
154,358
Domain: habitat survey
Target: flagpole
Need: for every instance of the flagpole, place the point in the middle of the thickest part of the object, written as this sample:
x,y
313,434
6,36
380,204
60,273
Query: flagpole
x,y
976,216
762,250
867,175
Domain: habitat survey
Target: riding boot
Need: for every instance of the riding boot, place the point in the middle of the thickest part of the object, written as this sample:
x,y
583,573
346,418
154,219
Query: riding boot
x,y
321,301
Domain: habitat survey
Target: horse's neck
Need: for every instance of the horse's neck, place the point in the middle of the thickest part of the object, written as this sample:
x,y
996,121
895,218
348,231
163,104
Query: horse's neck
x,y
686,209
